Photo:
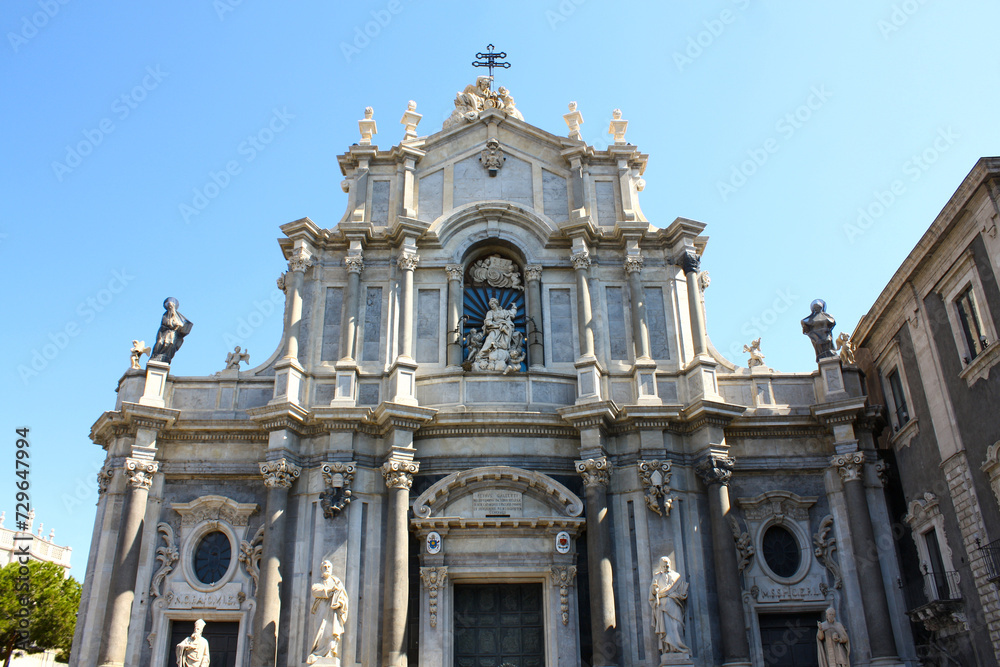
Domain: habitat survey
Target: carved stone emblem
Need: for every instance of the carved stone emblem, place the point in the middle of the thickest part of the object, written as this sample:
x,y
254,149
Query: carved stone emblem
x,y
496,271
492,157
655,476
338,478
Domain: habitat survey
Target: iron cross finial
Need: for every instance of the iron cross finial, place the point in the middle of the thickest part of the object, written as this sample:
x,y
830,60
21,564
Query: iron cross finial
x,y
489,59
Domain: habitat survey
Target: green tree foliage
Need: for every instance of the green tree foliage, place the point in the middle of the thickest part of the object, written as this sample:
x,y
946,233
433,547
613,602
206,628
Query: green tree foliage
x,y
51,601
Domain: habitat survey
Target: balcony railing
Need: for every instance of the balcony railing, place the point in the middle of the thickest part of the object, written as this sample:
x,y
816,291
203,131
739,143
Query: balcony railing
x,y
930,587
991,557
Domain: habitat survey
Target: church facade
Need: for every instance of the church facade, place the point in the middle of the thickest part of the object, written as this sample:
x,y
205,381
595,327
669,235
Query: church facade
x,y
495,432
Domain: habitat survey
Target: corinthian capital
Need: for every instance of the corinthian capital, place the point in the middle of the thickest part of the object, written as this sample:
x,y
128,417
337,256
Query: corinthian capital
x,y
849,466
533,272
300,261
140,473
454,271
595,471
354,263
715,469
408,261
691,262
399,474
633,264
581,260
279,474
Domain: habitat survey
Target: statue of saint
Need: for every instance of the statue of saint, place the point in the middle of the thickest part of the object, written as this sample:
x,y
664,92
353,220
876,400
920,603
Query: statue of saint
x,y
501,348
819,327
331,602
170,337
668,596
193,650
832,643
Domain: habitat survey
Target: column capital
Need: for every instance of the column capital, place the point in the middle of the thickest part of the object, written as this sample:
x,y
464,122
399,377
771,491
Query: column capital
x,y
399,474
279,474
691,262
633,264
849,466
140,473
715,469
532,272
595,471
354,263
581,260
455,272
300,261
408,260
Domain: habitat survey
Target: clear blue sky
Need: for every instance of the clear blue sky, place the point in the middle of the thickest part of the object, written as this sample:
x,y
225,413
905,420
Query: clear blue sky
x,y
115,115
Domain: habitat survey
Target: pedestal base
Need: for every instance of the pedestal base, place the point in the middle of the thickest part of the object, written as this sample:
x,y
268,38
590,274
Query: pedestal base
x,y
676,660
346,393
288,376
324,662
403,381
588,380
156,384
644,377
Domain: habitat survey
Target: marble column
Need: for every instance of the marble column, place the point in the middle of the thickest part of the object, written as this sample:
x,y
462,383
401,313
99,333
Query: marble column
x,y
455,303
533,295
691,263
876,606
349,335
114,639
297,265
584,313
407,263
715,472
396,580
640,328
278,478
596,475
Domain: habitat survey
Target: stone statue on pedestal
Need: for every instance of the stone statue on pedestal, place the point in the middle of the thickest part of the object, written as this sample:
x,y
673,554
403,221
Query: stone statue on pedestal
x,y
668,597
331,603
193,650
234,358
502,349
819,327
139,348
170,337
832,643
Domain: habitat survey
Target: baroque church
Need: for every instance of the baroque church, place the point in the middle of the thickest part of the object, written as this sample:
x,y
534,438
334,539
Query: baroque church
x,y
495,432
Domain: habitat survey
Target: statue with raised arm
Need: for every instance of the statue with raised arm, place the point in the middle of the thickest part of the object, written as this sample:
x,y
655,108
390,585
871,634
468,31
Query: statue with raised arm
x,y
330,602
234,358
818,325
170,337
832,643
139,348
193,650
668,597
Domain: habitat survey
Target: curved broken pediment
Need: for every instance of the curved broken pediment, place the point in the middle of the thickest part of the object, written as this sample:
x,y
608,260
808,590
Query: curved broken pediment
x,y
494,491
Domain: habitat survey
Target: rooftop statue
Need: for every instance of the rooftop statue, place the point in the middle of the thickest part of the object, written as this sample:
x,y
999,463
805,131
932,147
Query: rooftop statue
x,y
170,337
476,98
819,327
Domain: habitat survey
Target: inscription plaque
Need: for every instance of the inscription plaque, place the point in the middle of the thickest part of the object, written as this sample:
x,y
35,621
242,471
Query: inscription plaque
x,y
497,503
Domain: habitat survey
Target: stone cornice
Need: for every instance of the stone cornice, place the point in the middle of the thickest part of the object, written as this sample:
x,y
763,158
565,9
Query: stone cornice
x,y
839,412
715,413
389,416
129,419
590,415
281,416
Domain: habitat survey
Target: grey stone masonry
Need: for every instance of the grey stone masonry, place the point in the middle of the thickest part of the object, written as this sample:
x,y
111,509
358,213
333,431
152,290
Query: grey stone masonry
x,y
970,521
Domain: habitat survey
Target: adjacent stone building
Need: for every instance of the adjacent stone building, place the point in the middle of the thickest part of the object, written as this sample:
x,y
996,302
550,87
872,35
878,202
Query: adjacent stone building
x,y
495,431
929,349
40,547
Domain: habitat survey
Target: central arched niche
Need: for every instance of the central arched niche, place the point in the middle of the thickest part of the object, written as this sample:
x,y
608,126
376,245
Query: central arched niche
x,y
494,269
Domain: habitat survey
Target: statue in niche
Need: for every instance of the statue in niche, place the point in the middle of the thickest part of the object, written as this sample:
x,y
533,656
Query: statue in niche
x,y
502,349
668,597
496,271
818,325
193,650
832,643
331,601
234,358
170,337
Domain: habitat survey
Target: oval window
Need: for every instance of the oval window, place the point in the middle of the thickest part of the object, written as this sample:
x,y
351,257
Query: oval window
x,y
212,557
781,551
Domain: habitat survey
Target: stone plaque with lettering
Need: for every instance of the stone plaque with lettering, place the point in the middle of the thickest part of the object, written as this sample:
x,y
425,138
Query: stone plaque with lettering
x,y
499,503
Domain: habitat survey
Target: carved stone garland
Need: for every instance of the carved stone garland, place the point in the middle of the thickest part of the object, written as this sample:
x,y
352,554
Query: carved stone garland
x,y
744,543
250,553
825,545
563,577
337,478
433,579
655,476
